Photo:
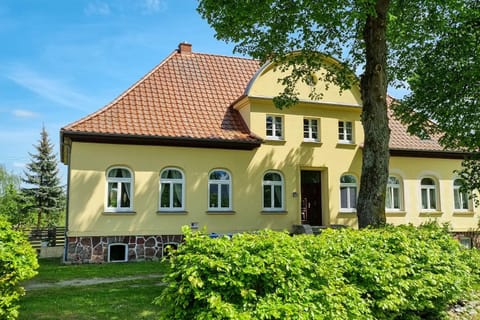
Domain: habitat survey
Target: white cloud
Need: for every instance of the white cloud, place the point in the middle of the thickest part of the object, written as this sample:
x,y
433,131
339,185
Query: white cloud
x,y
50,89
153,6
19,113
19,164
97,9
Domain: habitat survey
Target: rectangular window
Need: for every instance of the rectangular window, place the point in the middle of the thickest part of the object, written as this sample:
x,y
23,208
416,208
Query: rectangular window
x,y
274,127
165,195
460,199
345,132
222,191
310,130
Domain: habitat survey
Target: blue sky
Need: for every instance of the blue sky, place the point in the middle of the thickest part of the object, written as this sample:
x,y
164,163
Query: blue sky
x,y
63,59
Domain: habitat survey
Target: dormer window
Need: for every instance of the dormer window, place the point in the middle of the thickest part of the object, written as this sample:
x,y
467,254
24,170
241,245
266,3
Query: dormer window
x,y
274,127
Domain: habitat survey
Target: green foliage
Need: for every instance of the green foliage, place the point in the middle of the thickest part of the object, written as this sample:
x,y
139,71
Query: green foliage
x,y
387,273
16,207
18,262
445,81
44,184
6,179
444,98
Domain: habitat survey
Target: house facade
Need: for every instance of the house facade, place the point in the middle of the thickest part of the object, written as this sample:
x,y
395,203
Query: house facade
x,y
198,142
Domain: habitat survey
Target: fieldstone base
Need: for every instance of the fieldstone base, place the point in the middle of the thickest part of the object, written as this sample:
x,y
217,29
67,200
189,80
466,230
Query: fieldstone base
x,y
95,249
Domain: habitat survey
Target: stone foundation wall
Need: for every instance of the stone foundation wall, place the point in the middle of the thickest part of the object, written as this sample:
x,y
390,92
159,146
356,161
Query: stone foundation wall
x,y
95,249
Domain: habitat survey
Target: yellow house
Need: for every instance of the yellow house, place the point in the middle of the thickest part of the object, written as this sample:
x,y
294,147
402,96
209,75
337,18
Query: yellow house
x,y
198,142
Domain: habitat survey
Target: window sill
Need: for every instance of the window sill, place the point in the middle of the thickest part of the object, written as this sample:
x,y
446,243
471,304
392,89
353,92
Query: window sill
x,y
220,212
393,213
432,213
348,211
120,213
346,145
273,141
463,213
274,212
171,212
312,143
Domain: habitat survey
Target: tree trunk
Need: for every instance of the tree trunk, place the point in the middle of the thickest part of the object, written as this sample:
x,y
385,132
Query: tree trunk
x,y
373,86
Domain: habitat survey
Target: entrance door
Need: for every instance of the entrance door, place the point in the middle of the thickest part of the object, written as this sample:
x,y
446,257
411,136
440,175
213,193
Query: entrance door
x,y
311,198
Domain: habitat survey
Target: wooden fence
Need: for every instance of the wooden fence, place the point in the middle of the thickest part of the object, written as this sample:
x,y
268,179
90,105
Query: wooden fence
x,y
51,237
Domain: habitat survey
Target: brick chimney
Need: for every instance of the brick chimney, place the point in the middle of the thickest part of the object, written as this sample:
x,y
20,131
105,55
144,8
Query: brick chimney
x,y
184,47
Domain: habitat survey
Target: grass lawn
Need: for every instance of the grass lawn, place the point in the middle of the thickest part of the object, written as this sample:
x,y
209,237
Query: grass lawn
x,y
130,299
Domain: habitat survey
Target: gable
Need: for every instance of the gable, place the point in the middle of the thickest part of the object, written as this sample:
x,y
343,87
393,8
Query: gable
x,y
265,84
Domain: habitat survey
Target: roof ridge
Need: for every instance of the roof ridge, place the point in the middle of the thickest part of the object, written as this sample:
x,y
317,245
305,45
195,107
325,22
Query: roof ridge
x,y
224,56
123,94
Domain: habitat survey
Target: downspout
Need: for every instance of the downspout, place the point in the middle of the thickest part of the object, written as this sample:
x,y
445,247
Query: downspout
x,y
66,152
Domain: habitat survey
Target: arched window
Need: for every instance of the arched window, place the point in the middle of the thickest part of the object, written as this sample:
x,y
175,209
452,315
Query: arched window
x,y
119,190
348,193
429,192
172,190
273,191
393,199
460,196
219,190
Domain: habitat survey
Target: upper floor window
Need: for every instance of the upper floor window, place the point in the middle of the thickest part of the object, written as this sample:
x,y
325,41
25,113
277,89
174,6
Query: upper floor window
x,y
172,190
274,127
348,193
429,192
119,189
310,129
273,191
460,196
345,132
219,190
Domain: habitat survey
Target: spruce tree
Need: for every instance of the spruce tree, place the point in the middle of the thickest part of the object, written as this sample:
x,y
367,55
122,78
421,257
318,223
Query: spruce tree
x,y
43,182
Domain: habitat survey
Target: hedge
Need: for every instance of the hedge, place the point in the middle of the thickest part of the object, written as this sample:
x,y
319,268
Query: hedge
x,y
18,262
400,272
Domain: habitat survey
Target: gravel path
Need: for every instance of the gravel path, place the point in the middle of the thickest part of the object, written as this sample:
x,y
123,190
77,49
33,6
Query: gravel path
x,y
32,285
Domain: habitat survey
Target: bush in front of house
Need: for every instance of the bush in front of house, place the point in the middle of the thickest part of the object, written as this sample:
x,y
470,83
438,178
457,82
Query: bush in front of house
x,y
18,262
389,273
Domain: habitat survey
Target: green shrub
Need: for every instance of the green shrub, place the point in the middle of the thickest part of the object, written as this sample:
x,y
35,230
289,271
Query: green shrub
x,y
390,273
18,262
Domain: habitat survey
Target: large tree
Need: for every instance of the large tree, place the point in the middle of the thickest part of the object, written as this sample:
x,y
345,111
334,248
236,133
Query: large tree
x,y
43,182
364,34
445,99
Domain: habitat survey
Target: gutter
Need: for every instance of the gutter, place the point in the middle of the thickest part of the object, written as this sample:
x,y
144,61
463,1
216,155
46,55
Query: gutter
x,y
160,141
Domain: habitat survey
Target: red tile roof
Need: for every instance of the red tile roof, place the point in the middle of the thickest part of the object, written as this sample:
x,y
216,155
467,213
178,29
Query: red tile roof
x,y
188,98
400,139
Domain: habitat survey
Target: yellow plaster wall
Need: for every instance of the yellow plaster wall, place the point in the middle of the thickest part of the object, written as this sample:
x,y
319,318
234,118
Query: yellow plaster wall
x,y
411,171
266,85
89,163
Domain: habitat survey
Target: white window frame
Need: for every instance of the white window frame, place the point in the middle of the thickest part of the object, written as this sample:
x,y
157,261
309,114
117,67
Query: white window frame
x,y
462,196
220,183
171,182
120,185
352,189
428,188
344,136
308,130
271,184
276,133
391,188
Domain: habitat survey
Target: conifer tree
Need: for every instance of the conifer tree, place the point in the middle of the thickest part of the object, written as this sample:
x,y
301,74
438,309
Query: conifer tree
x,y
43,182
